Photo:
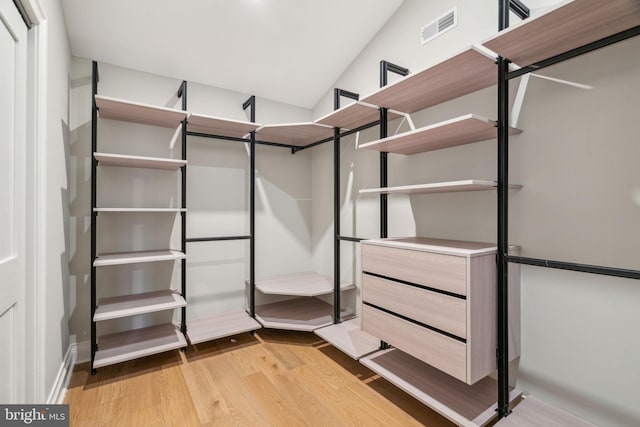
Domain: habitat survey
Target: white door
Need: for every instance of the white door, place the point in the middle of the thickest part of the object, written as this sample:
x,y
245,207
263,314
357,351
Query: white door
x,y
13,97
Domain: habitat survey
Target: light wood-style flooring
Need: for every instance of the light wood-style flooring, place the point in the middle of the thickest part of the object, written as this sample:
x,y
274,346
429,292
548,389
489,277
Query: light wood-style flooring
x,y
275,378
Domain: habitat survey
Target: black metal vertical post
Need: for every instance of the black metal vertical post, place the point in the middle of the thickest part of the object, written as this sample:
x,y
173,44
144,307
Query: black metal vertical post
x,y
94,214
251,102
336,213
502,352
183,93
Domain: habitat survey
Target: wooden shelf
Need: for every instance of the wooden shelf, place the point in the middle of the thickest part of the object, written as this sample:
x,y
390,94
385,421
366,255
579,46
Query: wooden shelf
x,y
137,257
354,115
459,131
122,160
218,126
573,24
299,284
131,305
438,187
465,405
531,412
129,345
118,109
297,134
144,210
349,338
454,77
219,326
299,314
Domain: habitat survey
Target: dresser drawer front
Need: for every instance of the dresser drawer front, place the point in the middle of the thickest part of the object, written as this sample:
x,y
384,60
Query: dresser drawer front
x,y
440,311
444,272
437,350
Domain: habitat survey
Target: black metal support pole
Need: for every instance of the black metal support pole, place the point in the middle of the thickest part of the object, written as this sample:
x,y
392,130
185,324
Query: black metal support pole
x,y
183,93
519,9
94,214
251,103
502,350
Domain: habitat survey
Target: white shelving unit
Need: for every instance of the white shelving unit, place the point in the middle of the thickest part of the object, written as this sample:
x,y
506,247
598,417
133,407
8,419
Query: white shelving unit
x,y
299,284
136,112
298,314
296,134
132,305
354,115
212,125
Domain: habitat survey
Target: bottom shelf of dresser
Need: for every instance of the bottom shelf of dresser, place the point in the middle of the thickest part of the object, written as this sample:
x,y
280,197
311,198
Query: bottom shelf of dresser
x,y
129,345
463,404
298,314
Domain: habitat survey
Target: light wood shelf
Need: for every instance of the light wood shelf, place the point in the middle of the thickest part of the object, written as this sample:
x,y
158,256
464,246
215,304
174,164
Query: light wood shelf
x,y
465,405
122,160
128,111
440,246
131,305
572,24
144,210
438,187
218,126
137,257
349,338
129,345
298,314
459,131
354,115
296,134
531,412
219,326
454,77
299,284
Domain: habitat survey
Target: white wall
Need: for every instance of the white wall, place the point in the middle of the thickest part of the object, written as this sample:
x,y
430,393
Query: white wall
x,y
577,161
217,200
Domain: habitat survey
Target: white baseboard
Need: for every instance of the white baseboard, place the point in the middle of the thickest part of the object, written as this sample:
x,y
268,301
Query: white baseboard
x,y
76,353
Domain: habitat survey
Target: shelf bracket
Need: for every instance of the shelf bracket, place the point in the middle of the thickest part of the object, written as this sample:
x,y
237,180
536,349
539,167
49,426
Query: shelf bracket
x,y
519,8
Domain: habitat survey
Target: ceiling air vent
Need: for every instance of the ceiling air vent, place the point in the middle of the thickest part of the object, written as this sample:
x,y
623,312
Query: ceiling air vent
x,y
440,26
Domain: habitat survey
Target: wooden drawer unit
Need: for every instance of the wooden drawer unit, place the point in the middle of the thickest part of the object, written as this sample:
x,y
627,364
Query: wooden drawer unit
x,y
436,300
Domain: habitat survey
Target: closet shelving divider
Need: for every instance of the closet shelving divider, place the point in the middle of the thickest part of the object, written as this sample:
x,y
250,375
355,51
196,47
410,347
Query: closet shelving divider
x,y
224,324
122,346
564,32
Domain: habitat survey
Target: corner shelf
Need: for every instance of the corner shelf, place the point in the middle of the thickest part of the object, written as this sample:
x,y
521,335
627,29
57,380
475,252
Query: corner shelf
x,y
569,26
438,187
354,115
136,343
219,326
452,78
298,314
465,405
218,126
349,338
131,305
123,160
135,112
146,210
296,134
299,284
450,133
137,257
531,412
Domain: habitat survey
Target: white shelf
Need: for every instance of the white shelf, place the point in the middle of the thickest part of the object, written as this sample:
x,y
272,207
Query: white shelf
x,y
299,284
454,77
459,131
123,160
159,210
440,246
219,326
118,109
297,134
299,314
131,305
123,346
465,405
137,257
438,187
354,115
218,126
349,338
531,412
568,26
